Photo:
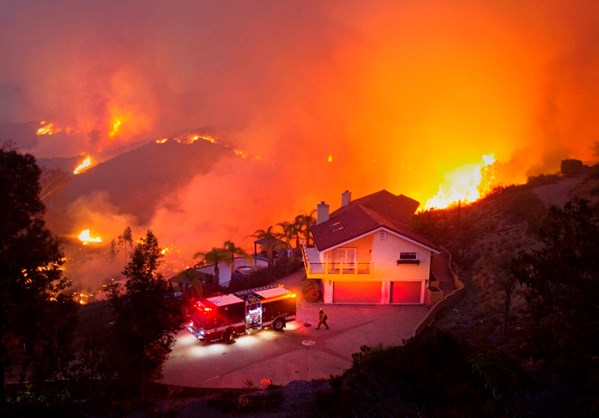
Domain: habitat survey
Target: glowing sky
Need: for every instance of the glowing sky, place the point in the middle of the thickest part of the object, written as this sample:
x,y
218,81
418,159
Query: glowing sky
x,y
396,92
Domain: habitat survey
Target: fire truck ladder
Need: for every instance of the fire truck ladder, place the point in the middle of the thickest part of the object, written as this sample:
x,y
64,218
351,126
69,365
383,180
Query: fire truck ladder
x,y
244,293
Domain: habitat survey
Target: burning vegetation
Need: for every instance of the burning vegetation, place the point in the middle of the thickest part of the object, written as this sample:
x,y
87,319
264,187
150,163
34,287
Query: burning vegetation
x,y
86,238
465,184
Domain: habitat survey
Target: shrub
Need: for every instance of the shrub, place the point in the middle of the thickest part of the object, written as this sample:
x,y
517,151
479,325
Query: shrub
x,y
312,290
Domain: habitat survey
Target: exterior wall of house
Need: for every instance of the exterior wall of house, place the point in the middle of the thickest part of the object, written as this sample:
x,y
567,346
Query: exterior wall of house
x,y
386,252
380,251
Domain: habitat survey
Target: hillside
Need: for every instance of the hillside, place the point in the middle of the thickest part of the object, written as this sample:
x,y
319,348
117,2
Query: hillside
x,y
538,361
484,239
486,235
136,180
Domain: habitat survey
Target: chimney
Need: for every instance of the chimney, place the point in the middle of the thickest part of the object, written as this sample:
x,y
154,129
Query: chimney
x,y
322,212
345,198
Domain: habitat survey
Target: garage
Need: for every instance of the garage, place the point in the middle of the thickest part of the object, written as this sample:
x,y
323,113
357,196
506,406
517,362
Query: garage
x,y
406,292
357,292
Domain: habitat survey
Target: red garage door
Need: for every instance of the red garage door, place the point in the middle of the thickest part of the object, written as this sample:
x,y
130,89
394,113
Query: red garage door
x,y
405,292
357,292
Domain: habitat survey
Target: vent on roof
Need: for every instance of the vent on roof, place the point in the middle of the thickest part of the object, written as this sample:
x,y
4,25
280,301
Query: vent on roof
x,y
336,226
383,235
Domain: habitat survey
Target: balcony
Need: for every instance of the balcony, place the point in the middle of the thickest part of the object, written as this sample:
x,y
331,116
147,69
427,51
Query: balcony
x,y
318,270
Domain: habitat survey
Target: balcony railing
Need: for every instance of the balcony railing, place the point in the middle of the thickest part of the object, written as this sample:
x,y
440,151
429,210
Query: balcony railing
x,y
321,269
339,268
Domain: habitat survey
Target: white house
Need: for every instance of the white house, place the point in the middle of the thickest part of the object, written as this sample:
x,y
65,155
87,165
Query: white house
x,y
224,268
366,252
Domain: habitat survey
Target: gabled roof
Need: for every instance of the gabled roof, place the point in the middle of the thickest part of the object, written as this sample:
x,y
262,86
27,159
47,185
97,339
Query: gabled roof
x,y
366,214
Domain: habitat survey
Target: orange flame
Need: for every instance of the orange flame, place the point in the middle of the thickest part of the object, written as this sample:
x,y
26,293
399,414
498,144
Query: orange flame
x,y
465,184
84,165
241,153
86,238
47,129
189,139
115,126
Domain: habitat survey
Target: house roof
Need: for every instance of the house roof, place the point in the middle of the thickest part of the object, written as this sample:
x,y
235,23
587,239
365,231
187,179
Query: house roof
x,y
366,214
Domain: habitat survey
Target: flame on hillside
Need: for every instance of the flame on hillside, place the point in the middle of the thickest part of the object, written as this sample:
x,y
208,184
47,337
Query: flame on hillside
x,y
86,238
47,129
189,139
83,297
115,126
465,184
192,138
84,165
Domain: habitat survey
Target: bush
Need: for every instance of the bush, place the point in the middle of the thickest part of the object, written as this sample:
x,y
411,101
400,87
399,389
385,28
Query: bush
x,y
312,290
243,402
571,167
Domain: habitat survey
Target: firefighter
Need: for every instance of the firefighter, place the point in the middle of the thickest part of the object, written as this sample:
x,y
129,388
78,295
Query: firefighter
x,y
322,319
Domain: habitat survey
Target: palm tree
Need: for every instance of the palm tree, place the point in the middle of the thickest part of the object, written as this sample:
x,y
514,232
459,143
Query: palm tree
x,y
271,242
233,250
288,232
214,256
305,222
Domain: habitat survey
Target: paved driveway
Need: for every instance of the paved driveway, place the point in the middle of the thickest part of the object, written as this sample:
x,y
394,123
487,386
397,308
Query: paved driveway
x,y
298,353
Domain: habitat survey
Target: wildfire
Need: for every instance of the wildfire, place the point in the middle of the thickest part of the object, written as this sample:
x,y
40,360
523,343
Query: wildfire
x,y
47,129
50,128
188,139
115,126
241,153
330,159
82,297
86,238
84,165
465,184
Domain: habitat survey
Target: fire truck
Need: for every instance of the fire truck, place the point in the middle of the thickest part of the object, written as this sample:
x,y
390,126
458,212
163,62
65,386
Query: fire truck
x,y
223,318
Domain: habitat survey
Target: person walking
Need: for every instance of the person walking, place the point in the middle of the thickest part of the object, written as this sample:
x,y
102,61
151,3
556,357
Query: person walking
x,y
322,319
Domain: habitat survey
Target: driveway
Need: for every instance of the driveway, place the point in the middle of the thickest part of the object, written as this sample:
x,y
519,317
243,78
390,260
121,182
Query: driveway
x,y
300,352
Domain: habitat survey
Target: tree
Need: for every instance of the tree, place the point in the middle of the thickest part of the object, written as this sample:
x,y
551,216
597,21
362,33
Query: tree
x,y
288,232
233,250
31,283
147,317
271,242
214,256
562,280
305,222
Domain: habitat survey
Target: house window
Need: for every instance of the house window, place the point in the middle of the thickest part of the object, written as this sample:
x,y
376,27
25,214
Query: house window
x,y
344,255
408,258
343,260
383,235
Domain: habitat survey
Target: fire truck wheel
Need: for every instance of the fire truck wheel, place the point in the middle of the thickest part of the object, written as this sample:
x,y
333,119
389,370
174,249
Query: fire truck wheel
x,y
229,336
278,324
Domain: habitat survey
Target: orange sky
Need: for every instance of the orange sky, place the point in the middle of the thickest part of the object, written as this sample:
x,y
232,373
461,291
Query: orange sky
x,y
398,93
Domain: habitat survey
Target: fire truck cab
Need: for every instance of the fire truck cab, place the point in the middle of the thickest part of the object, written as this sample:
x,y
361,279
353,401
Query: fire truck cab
x,y
228,316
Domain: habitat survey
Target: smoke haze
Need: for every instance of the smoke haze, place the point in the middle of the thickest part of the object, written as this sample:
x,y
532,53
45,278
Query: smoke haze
x,y
395,93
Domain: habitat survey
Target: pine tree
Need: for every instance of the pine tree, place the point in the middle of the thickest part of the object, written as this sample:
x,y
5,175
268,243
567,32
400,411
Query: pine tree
x,y
31,282
147,317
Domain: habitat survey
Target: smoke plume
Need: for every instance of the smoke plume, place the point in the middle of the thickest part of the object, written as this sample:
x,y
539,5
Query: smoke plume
x,y
332,95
